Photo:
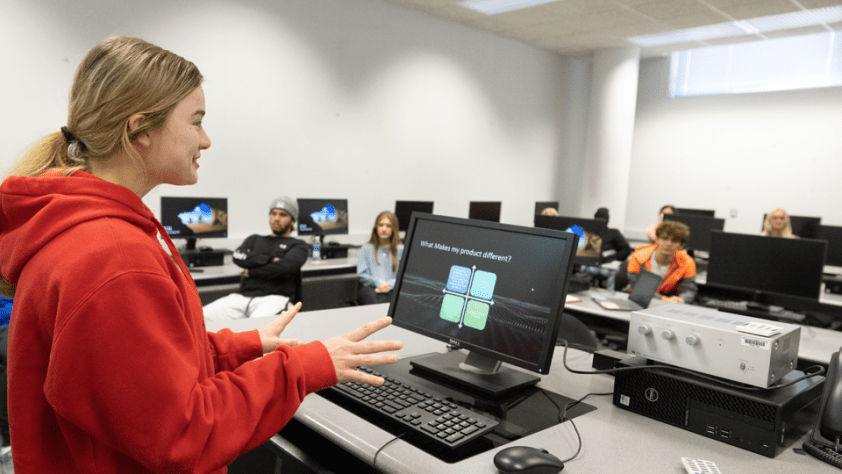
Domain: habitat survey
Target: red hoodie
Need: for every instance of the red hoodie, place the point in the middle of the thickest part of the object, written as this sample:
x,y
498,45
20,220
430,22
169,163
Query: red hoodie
x,y
111,369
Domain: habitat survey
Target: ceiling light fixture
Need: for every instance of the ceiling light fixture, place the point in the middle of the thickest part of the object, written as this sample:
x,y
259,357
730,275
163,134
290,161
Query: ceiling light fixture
x,y
493,7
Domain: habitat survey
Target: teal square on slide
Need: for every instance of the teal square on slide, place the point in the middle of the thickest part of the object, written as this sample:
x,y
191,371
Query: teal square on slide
x,y
476,315
483,284
451,308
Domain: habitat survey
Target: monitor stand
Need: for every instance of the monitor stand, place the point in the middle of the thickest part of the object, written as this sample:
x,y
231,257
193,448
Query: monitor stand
x,y
474,373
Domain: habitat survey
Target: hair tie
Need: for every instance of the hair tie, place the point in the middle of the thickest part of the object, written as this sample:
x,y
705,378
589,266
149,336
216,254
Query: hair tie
x,y
68,135
74,145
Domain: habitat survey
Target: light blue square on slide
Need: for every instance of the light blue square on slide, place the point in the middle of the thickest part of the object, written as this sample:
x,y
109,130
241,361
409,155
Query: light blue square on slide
x,y
483,286
458,279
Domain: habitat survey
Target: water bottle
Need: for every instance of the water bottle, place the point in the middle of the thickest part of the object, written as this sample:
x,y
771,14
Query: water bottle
x,y
609,282
317,252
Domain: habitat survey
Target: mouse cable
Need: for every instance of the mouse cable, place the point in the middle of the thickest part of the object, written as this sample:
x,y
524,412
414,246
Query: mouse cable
x,y
374,461
816,370
562,417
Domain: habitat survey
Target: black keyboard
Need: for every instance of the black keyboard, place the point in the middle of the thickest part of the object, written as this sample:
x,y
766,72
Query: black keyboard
x,y
748,309
419,411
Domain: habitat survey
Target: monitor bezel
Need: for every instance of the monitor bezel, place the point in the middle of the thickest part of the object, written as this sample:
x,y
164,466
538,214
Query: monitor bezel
x,y
541,366
217,234
693,242
403,224
475,206
689,211
341,231
719,281
541,205
834,252
540,221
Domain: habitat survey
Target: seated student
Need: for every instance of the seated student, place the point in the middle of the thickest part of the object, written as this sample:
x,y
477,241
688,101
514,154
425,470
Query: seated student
x,y
666,257
650,231
377,261
777,224
549,211
272,264
614,244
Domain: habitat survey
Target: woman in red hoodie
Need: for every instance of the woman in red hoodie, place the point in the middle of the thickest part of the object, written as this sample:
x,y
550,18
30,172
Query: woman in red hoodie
x,y
110,366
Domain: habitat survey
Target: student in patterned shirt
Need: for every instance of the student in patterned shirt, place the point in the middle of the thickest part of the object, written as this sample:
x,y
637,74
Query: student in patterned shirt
x,y
377,261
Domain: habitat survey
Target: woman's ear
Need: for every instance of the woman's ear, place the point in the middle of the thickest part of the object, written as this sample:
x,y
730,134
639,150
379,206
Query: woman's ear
x,y
134,124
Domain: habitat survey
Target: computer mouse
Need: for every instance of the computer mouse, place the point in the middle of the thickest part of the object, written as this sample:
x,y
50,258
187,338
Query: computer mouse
x,y
527,460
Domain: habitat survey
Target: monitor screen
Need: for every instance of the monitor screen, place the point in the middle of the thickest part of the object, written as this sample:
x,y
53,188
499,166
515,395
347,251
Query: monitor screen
x,y
591,233
700,229
322,216
696,212
833,236
485,211
404,209
767,264
541,205
802,226
194,217
496,290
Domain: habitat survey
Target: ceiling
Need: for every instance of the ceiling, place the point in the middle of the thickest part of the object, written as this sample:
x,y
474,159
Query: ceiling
x,y
578,27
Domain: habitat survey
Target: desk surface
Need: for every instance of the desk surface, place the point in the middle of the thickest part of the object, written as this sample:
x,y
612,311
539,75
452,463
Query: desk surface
x,y
817,344
311,267
614,440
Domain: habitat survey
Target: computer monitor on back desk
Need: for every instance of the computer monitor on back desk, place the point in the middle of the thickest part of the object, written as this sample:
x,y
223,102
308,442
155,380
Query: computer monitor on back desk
x,y
700,229
766,266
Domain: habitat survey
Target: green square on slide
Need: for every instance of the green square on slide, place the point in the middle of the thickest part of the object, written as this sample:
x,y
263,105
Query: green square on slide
x,y
451,308
476,315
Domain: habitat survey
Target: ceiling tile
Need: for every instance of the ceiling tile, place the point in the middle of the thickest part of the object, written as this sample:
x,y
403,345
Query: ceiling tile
x,y
811,4
748,10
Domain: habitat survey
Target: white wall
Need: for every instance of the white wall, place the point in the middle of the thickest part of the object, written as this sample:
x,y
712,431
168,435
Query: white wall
x,y
354,99
749,152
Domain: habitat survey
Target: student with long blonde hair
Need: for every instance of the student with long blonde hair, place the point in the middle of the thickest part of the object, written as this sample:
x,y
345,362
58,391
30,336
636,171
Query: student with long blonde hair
x,y
377,261
777,224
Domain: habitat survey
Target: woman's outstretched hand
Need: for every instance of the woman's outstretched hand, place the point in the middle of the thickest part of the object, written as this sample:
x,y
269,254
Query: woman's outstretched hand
x,y
351,351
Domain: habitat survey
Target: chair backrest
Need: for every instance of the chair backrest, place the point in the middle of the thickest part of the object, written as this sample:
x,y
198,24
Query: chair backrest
x,y
577,334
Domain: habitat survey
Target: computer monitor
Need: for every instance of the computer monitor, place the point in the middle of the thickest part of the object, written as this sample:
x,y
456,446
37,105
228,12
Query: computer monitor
x,y
192,218
700,229
541,205
404,210
833,236
485,210
322,217
696,212
591,233
802,226
494,289
767,264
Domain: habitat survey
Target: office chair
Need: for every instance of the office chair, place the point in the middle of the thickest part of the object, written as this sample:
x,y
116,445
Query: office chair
x,y
577,334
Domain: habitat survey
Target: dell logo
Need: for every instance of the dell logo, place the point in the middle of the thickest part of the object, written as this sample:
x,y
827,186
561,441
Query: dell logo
x,y
651,394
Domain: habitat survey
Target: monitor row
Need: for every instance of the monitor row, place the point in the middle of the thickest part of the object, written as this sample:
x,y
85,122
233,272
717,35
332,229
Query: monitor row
x,y
751,262
204,217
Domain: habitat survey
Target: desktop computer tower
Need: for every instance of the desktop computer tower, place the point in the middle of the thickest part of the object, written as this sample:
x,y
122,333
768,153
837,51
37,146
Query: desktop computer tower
x,y
765,422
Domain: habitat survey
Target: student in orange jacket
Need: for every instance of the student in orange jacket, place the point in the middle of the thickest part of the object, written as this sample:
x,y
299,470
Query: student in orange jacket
x,y
667,257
